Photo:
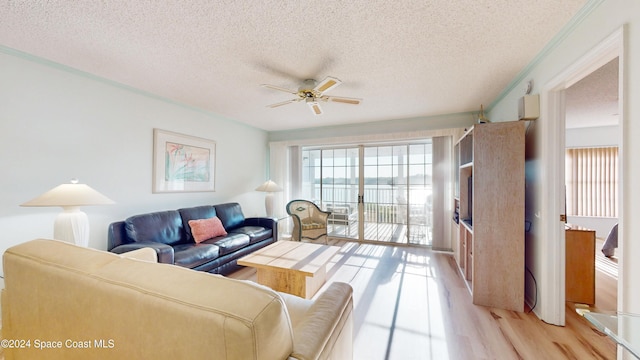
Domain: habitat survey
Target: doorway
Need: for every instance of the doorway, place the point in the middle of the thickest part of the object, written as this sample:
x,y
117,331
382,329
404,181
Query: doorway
x,y
591,177
375,193
551,197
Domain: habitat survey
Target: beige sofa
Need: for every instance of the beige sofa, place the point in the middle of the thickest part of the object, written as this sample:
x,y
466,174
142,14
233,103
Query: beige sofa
x,y
62,301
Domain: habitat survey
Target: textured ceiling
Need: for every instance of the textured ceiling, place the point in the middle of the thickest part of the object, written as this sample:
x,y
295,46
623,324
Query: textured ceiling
x,y
405,58
593,101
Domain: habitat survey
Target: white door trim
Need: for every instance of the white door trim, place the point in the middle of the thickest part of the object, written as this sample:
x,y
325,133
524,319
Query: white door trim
x,y
552,191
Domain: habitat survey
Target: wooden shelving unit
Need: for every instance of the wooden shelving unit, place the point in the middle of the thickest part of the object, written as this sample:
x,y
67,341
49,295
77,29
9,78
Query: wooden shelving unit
x,y
455,219
491,198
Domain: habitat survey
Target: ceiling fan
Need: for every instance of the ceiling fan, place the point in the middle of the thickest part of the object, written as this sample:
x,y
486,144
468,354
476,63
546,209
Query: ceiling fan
x,y
312,93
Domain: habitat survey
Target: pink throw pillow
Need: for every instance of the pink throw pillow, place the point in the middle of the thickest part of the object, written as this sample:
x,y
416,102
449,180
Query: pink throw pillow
x,y
205,229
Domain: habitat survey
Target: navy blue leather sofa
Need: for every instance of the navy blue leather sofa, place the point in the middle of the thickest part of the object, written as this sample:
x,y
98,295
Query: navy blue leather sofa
x,y
169,233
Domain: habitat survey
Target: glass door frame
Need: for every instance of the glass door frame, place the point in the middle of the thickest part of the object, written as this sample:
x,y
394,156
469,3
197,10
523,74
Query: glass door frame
x,y
397,215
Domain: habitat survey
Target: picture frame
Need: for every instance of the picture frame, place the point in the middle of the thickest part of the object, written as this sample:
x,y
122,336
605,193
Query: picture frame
x,y
182,163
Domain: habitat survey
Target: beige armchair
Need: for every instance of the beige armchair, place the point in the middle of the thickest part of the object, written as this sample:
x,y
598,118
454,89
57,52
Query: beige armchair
x,y
309,222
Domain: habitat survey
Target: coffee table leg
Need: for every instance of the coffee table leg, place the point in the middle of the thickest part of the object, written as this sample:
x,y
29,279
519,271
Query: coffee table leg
x,y
291,281
314,283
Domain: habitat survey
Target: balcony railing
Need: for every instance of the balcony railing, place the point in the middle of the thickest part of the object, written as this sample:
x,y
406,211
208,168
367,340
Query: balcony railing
x,y
387,215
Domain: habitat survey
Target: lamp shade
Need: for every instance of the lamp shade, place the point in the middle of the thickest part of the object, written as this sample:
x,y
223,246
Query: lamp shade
x,y
68,195
269,186
71,224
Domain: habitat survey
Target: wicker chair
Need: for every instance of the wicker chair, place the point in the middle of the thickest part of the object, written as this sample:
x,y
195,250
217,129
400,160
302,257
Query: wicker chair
x,y
309,222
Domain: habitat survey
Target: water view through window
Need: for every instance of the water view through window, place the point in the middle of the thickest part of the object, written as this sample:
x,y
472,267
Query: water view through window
x,y
375,193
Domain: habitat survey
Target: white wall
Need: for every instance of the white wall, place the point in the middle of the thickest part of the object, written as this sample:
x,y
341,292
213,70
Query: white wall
x,y
593,137
603,19
57,123
387,130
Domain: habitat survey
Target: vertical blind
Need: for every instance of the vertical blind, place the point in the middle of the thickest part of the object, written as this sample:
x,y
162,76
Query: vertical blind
x,y
592,181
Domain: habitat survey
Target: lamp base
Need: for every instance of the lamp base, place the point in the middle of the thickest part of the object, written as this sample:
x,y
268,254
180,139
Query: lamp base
x,y
268,204
72,225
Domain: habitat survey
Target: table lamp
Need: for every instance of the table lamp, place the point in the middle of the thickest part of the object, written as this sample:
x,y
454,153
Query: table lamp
x,y
71,224
269,187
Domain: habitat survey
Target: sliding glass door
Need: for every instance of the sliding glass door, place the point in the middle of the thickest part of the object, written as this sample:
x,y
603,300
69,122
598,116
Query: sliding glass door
x,y
375,193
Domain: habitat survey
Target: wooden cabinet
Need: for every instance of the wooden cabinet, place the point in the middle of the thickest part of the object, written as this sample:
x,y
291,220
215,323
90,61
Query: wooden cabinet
x,y
580,268
455,219
491,198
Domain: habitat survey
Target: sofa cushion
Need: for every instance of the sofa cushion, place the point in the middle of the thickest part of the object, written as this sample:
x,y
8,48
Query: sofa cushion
x,y
163,227
255,233
311,225
231,215
229,243
192,255
204,229
195,213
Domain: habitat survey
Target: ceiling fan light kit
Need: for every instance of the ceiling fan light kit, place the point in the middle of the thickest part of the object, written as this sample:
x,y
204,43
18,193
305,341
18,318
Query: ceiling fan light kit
x,y
312,93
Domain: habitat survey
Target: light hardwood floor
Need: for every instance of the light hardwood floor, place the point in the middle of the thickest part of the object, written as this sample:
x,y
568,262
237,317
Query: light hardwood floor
x,y
606,280
411,303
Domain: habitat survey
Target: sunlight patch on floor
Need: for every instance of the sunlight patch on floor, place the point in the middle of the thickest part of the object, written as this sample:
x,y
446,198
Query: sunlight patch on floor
x,y
400,307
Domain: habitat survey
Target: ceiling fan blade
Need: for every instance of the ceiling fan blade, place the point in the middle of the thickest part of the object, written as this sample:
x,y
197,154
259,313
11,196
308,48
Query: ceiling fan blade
x,y
315,107
344,100
283,103
327,84
273,87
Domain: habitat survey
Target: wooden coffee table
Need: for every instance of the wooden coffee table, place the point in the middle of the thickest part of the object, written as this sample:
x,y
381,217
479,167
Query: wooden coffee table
x,y
290,266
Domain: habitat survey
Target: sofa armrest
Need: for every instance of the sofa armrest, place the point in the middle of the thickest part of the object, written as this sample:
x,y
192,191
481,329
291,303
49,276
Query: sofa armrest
x,y
116,235
145,254
326,329
164,252
265,222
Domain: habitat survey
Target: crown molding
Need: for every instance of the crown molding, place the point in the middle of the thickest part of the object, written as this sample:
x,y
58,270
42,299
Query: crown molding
x,y
567,30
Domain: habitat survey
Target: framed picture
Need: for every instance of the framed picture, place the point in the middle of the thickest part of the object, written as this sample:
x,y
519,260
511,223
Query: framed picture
x,y
182,163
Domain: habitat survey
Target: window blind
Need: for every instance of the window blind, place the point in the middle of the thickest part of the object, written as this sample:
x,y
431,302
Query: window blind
x,y
592,181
